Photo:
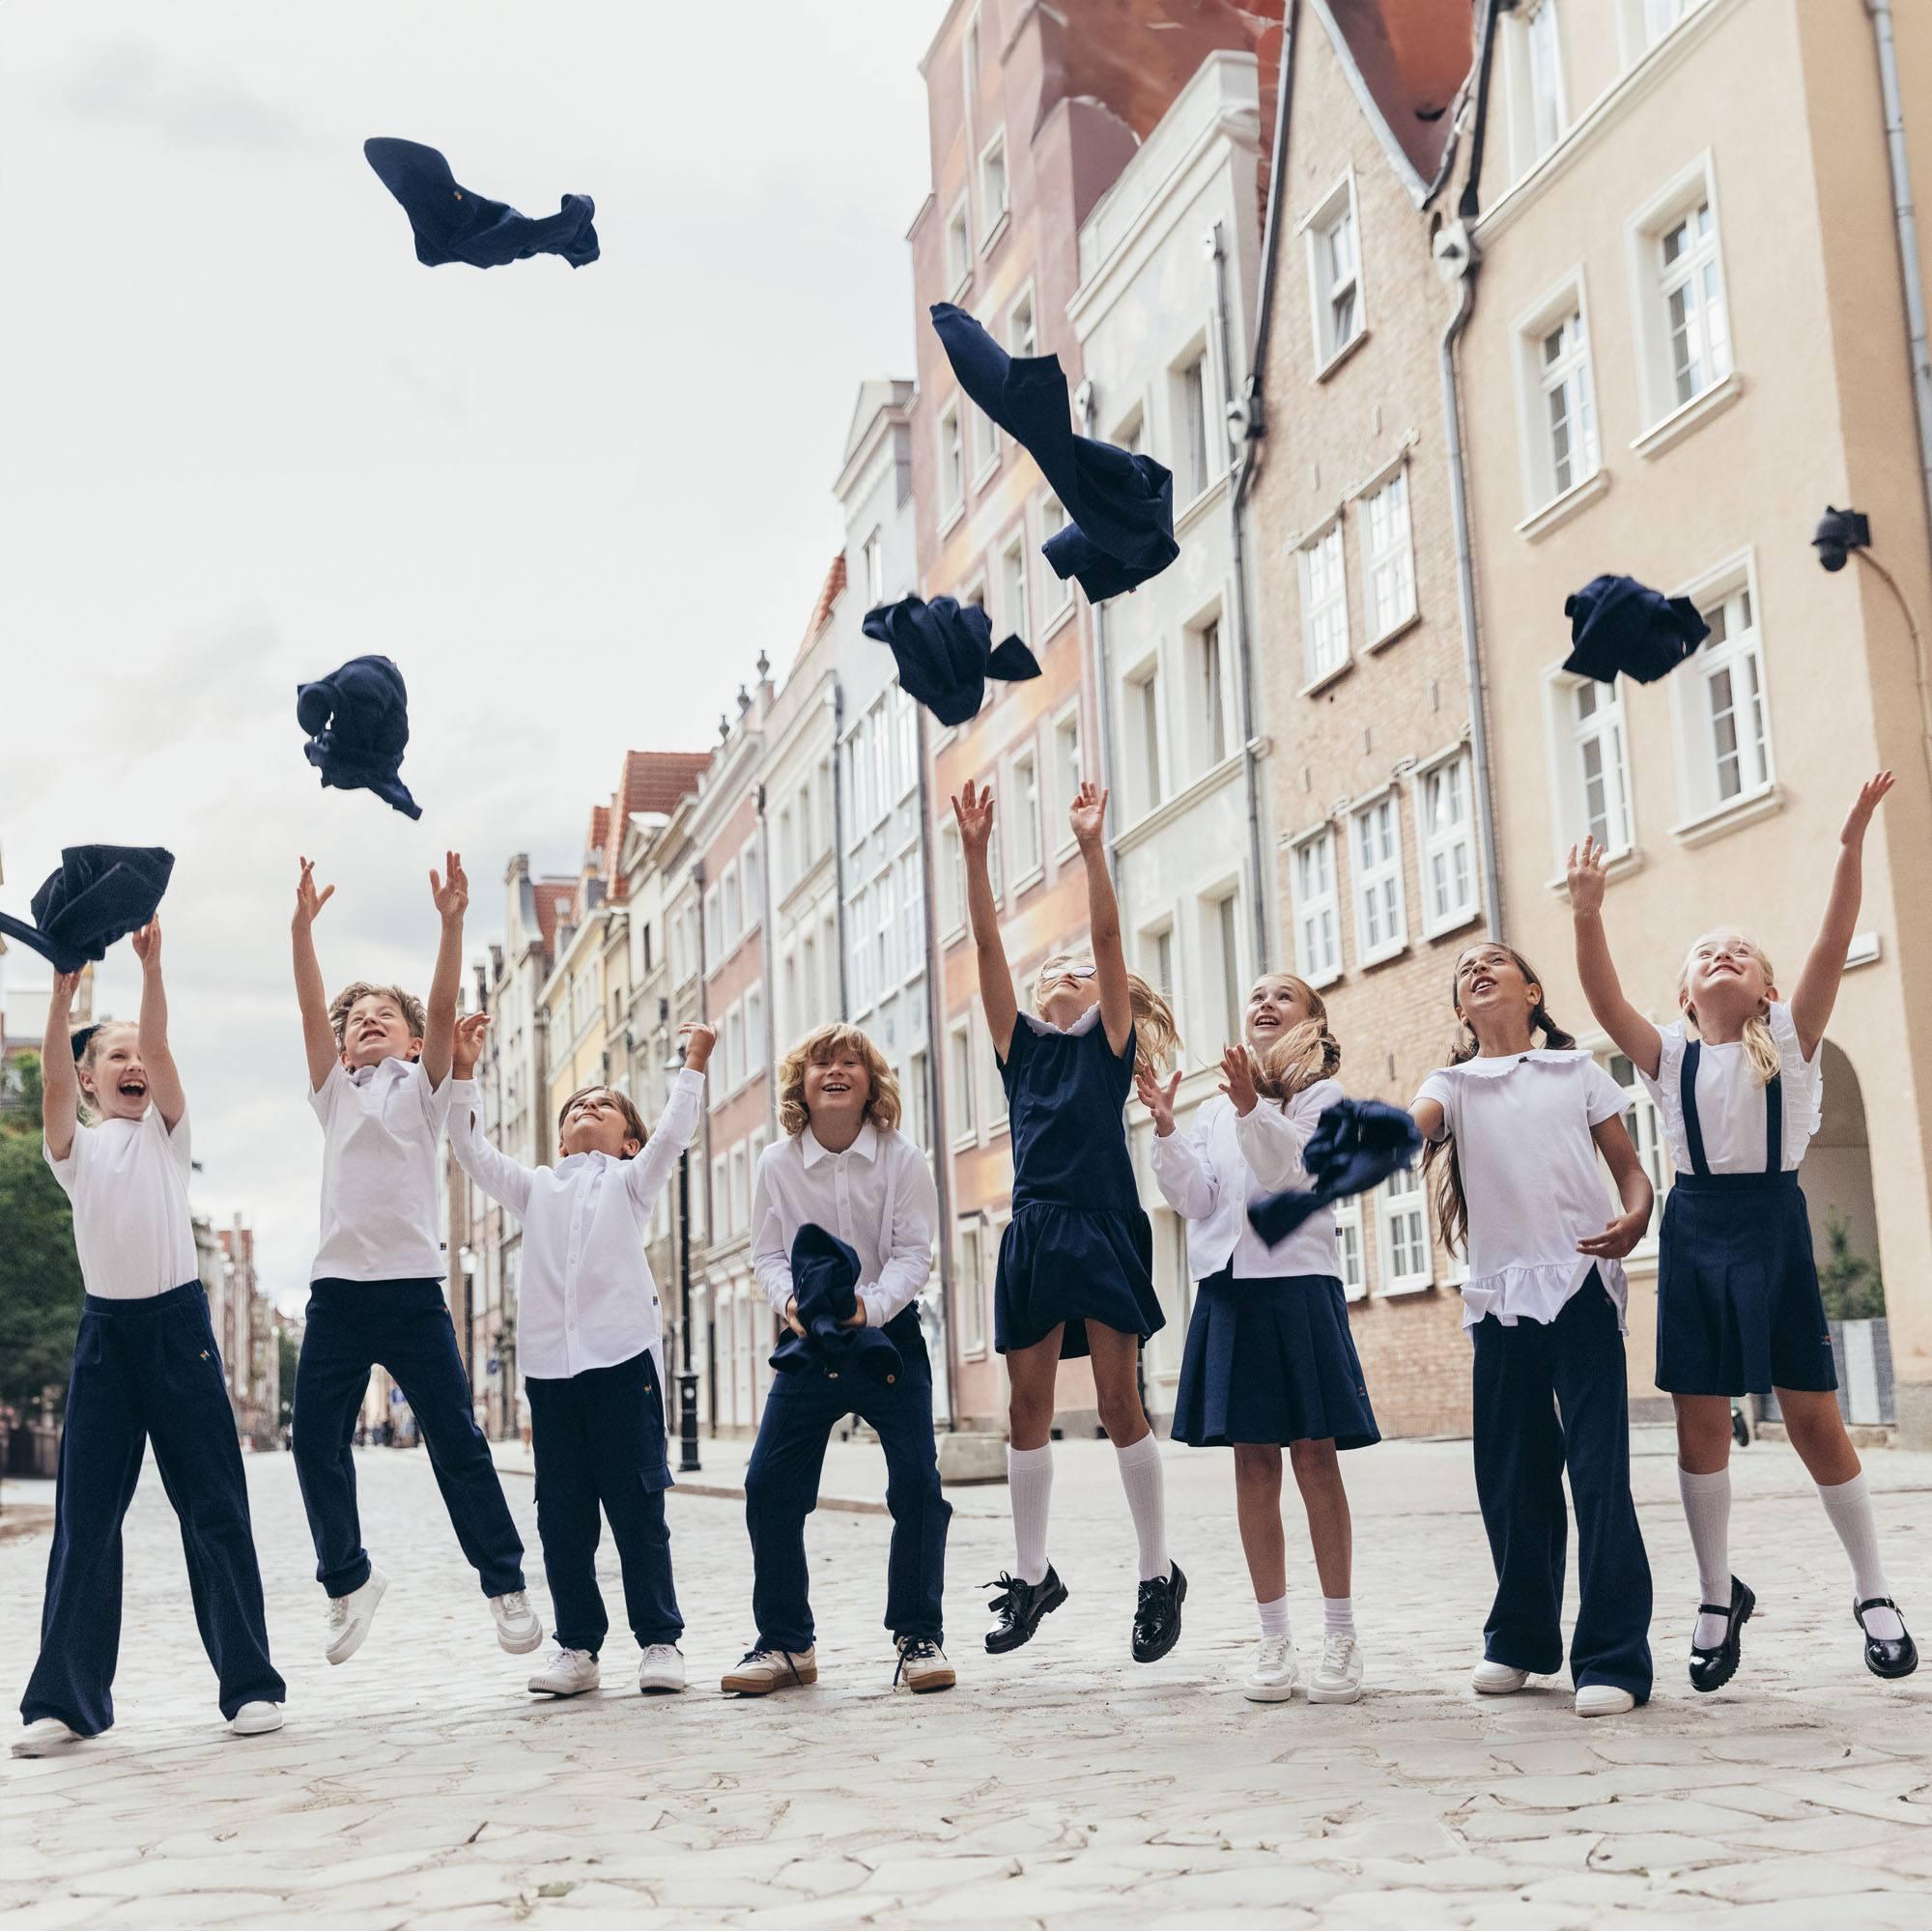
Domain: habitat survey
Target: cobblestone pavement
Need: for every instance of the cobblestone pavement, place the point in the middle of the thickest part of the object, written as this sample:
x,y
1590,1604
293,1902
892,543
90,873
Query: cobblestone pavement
x,y
1063,1785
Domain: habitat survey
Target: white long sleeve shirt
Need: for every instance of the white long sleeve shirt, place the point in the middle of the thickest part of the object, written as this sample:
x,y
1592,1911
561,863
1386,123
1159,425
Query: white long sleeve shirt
x,y
877,1197
586,1297
1210,1173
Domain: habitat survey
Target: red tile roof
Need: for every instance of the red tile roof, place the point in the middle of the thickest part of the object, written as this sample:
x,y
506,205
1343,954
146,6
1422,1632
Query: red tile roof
x,y
552,895
829,593
651,782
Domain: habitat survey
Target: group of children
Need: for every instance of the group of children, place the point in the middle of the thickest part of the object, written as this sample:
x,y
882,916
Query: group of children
x,y
1516,1125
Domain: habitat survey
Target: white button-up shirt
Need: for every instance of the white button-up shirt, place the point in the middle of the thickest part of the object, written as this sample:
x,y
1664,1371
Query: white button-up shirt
x,y
1210,1173
128,1179
877,1197
586,1299
380,1129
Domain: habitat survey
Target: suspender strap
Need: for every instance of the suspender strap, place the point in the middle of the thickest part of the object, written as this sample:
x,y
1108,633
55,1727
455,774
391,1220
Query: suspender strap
x,y
1687,1090
1774,1124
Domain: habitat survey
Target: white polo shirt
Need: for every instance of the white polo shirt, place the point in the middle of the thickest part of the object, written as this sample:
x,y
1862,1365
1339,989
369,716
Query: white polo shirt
x,y
585,1297
877,1197
128,1179
380,1127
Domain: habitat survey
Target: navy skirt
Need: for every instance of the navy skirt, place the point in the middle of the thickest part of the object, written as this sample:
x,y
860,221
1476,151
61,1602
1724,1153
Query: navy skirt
x,y
1071,1265
1272,1361
1738,1306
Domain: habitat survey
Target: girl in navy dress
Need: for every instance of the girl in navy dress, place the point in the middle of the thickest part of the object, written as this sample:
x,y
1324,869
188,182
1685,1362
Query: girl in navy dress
x,y
1515,1132
1269,1358
1075,1274
1738,1306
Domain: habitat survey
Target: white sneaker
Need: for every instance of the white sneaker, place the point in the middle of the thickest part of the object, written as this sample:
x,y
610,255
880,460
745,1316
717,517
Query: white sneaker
x,y
45,1737
922,1667
1274,1672
350,1616
1497,1679
1338,1677
569,1672
257,1719
518,1628
660,1671
762,1670
1603,1699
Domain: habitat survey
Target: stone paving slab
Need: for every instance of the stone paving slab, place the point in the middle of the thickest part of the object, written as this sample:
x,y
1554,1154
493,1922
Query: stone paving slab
x,y
1062,1786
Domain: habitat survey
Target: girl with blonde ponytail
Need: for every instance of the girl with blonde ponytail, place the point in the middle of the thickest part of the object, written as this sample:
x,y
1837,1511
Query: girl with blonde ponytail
x,y
1269,1362
1739,1084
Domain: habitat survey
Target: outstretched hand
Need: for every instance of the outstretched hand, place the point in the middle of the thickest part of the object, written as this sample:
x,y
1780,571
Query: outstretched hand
x,y
973,807
1237,1079
309,900
1586,871
66,985
698,1040
147,944
467,1046
1871,795
452,894
1157,1096
1088,815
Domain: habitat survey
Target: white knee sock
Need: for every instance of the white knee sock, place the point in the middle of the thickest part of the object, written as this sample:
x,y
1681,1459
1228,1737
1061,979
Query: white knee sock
x,y
1030,1483
1338,1615
1147,1497
1848,1504
1274,1619
1707,1507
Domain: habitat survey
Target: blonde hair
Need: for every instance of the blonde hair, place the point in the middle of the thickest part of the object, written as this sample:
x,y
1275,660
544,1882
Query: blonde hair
x,y
1760,1048
344,1003
634,1120
1304,1053
1156,1037
815,1049
84,1060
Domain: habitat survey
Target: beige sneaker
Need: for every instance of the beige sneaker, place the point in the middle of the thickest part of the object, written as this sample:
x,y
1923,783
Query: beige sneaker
x,y
761,1670
922,1665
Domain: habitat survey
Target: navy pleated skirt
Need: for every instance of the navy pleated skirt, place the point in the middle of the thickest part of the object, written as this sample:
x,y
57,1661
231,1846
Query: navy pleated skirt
x,y
1738,1306
1070,1265
1272,1361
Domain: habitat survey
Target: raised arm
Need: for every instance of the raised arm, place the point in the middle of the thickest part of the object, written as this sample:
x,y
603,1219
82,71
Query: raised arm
x,y
164,1087
318,1034
60,1089
1634,1188
1818,984
501,1178
677,1124
973,807
452,900
1636,1038
1089,819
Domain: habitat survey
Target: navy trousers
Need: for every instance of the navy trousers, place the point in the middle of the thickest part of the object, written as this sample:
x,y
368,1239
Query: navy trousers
x,y
781,1488
599,1438
1551,1396
405,1328
147,1370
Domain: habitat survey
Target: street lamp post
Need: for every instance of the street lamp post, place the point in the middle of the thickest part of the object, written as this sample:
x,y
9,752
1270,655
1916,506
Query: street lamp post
x,y
688,1462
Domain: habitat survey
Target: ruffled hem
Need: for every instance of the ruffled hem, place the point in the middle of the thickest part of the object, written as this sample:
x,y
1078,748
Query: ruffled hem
x,y
1540,1291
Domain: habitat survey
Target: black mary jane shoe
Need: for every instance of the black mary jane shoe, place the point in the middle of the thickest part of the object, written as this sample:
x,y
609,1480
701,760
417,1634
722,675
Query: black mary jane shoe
x,y
1019,1606
1713,1668
1890,1657
1157,1614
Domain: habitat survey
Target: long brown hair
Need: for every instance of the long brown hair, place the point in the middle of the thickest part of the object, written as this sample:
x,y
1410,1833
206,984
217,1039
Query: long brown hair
x,y
1452,1209
1304,1053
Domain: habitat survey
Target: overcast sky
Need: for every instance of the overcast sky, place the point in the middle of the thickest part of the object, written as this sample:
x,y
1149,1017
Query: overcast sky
x,y
245,436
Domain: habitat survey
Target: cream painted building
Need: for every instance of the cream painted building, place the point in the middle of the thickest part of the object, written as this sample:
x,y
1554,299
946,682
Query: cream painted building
x,y
1689,336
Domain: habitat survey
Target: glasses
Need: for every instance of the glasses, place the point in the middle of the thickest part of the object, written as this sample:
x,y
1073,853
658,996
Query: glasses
x,y
1058,971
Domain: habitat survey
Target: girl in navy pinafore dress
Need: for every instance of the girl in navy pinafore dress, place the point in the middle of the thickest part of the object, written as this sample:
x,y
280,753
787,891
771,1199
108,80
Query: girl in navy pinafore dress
x,y
1075,1272
1738,1306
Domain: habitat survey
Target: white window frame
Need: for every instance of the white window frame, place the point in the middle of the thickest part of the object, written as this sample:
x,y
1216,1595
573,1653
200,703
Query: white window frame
x,y
873,553
1690,693
1533,134
721,1195
1348,1223
1141,687
1574,374
741,1189
1208,709
755,1027
962,1072
1644,1119
1053,519
1026,824
993,217
959,260
1016,590
984,446
1378,875
1403,1195
1652,281
1194,463
1312,906
952,882
1319,226
1433,843
1569,736
1325,611
1222,942
1160,959
1387,555
972,1253
1065,784
1024,304
951,458
997,1118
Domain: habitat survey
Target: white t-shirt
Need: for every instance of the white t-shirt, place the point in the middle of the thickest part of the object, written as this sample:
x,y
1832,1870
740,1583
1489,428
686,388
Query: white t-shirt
x,y
1730,1101
1210,1173
128,1179
1531,1177
380,1125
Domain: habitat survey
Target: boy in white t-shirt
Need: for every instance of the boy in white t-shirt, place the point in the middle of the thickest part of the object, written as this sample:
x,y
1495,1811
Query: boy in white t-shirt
x,y
379,1080
146,1368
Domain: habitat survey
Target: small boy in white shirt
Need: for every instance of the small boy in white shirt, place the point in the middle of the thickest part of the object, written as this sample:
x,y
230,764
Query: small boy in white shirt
x,y
844,1168
591,1344
379,1080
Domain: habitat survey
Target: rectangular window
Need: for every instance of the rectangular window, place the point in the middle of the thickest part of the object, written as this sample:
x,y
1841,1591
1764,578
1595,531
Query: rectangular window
x,y
993,184
1729,679
1194,424
1211,697
1318,912
1389,562
959,246
1348,1239
995,868
734,916
1325,606
1645,1126
995,1087
1691,281
1143,695
1158,959
1059,589
971,1291
1600,770
1404,1221
755,1030
1065,769
1228,957
802,986
960,1085
952,880
752,868
1537,116
1022,338
741,1213
721,1195
1335,272
985,435
1447,834
1382,926
951,459
1029,854
876,571
1569,408
915,1096
734,1048
1660,16
714,927
1014,589
862,946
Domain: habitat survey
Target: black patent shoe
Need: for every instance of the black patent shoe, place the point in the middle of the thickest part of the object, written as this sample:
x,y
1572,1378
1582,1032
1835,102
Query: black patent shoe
x,y
1019,1606
1157,1614
1713,1668
1888,1656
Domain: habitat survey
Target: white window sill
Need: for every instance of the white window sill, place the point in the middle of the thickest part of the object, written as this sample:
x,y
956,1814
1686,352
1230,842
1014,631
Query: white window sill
x,y
990,468
966,1143
1399,628
999,228
1323,679
1396,1290
1202,502
1341,355
1065,855
1355,1294
1732,815
999,1130
1688,417
1026,881
1056,619
1558,510
1320,981
1383,955
960,287
1621,866
951,520
1456,921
